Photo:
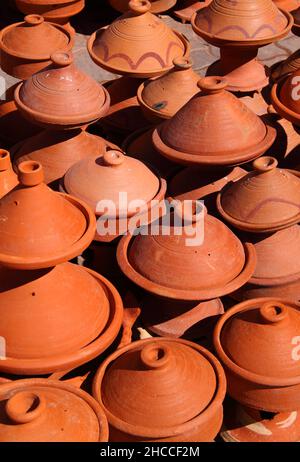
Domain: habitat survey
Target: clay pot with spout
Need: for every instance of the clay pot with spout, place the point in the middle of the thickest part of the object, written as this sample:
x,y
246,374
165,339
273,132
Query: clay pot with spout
x,y
263,370
8,178
169,401
239,28
157,6
188,8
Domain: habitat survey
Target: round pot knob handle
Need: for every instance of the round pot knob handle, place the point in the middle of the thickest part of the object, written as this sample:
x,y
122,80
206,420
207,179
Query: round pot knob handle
x,y
25,406
156,355
30,173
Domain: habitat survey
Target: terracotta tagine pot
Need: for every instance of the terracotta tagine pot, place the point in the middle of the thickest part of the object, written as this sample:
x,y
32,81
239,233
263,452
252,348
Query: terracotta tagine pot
x,y
26,47
287,5
125,115
157,6
287,66
137,43
245,425
188,8
239,28
159,97
285,97
266,199
57,11
8,178
58,150
263,370
185,264
41,410
103,178
62,96
238,134
177,394
139,145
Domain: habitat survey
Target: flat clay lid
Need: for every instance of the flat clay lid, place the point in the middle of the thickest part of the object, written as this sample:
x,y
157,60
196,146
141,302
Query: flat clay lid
x,y
215,128
242,21
137,43
98,178
62,95
43,410
39,227
266,199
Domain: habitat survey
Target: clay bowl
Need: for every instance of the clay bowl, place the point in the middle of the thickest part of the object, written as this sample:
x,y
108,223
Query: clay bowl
x,y
279,106
259,384
202,427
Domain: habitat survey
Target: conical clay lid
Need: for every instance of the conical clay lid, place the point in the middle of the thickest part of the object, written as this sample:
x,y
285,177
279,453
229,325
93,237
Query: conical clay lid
x,y
264,200
137,43
213,128
8,178
38,227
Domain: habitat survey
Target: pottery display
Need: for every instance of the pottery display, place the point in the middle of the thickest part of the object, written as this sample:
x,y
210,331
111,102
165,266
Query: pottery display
x,y
285,97
62,96
239,28
41,410
157,6
8,178
266,199
263,371
178,392
188,8
137,44
26,47
213,128
158,97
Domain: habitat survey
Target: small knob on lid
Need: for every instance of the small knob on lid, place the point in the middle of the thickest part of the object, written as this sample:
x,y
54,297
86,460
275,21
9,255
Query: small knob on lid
x,y
24,406
181,62
4,160
190,211
211,85
265,164
273,313
113,158
155,355
62,59
34,19
30,173
139,6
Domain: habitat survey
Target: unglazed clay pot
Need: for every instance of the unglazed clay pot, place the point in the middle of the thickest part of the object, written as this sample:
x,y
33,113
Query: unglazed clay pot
x,y
245,425
213,128
137,43
285,97
189,7
287,66
161,390
159,97
287,5
103,178
157,6
62,96
239,28
59,150
265,200
175,267
8,178
26,46
41,410
263,371
41,228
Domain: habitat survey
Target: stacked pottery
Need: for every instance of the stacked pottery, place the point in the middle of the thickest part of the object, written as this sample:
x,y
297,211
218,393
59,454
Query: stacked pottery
x,y
41,231
262,370
137,45
264,205
63,100
26,48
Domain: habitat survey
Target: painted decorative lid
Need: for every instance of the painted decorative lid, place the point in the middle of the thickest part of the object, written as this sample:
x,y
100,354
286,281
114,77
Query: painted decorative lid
x,y
62,96
213,128
266,199
38,227
137,43
8,178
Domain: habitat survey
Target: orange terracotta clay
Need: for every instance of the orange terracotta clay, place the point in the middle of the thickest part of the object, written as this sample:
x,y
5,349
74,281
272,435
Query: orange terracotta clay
x,y
8,178
41,410
159,97
137,43
287,66
287,5
188,8
40,228
177,395
266,199
285,97
26,47
263,371
157,6
62,96
296,26
286,142
213,128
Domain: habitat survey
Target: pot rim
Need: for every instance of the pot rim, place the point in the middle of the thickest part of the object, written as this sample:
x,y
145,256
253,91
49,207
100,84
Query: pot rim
x,y
230,158
240,372
184,294
146,107
47,2
249,43
162,432
159,6
122,71
83,355
22,384
279,107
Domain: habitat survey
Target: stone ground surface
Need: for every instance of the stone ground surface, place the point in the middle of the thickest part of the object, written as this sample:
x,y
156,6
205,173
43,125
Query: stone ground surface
x,y
98,13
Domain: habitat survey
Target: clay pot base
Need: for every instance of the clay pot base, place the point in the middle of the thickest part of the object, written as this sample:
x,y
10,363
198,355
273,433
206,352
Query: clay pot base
x,y
245,425
189,7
